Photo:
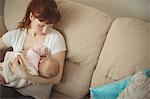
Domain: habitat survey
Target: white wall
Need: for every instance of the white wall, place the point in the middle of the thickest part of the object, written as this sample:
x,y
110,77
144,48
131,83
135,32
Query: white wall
x,y
115,8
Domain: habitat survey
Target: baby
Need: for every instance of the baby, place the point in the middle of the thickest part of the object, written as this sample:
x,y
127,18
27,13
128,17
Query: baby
x,y
31,59
46,69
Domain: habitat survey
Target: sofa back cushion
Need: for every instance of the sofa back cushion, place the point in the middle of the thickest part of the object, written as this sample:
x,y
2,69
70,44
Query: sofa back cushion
x,y
149,42
84,29
125,51
14,11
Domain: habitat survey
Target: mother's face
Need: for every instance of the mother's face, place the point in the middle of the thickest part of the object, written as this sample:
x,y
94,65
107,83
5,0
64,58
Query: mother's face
x,y
38,26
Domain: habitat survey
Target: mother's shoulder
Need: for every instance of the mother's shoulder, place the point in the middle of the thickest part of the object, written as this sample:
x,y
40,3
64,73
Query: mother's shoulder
x,y
18,30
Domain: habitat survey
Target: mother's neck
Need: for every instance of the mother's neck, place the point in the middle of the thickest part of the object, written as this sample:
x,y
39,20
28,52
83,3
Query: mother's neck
x,y
31,32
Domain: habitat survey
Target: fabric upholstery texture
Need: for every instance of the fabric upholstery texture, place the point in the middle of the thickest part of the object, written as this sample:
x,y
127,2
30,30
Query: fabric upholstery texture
x,y
2,26
148,24
14,11
84,29
125,50
57,95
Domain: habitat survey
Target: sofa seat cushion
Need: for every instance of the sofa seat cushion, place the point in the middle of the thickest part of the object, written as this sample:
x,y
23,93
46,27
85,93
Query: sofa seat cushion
x,y
57,95
125,50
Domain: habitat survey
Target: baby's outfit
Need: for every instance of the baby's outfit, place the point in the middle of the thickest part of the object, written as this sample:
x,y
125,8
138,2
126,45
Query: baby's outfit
x,y
34,54
31,60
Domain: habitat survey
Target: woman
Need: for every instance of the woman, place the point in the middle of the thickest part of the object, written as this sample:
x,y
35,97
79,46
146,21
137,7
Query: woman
x,y
32,31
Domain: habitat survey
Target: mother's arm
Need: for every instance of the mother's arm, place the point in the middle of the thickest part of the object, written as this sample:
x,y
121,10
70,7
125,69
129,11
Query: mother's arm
x,y
59,57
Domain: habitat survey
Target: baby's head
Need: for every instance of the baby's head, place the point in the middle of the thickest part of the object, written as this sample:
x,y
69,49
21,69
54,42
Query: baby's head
x,y
49,68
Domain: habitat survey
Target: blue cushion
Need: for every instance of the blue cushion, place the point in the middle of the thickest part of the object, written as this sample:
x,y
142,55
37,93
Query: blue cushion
x,y
112,90
109,91
147,72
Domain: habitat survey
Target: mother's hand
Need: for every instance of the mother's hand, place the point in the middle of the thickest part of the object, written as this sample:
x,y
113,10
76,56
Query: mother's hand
x,y
18,67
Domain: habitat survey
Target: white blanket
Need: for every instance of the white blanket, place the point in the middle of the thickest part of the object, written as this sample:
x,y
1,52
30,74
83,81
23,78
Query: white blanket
x,y
11,79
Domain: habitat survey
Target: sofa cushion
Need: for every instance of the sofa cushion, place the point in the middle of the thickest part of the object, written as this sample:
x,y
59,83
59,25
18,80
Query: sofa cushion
x,y
149,42
2,26
57,95
125,50
14,11
84,29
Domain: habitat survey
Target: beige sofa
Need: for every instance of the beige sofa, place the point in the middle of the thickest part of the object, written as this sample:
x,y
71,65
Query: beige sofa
x,y
100,49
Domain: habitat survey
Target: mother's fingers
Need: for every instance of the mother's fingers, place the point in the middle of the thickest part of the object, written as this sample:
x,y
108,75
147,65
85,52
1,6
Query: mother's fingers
x,y
20,60
16,60
14,63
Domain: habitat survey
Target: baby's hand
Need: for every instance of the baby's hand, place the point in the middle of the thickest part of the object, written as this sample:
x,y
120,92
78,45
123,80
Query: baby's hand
x,y
18,67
